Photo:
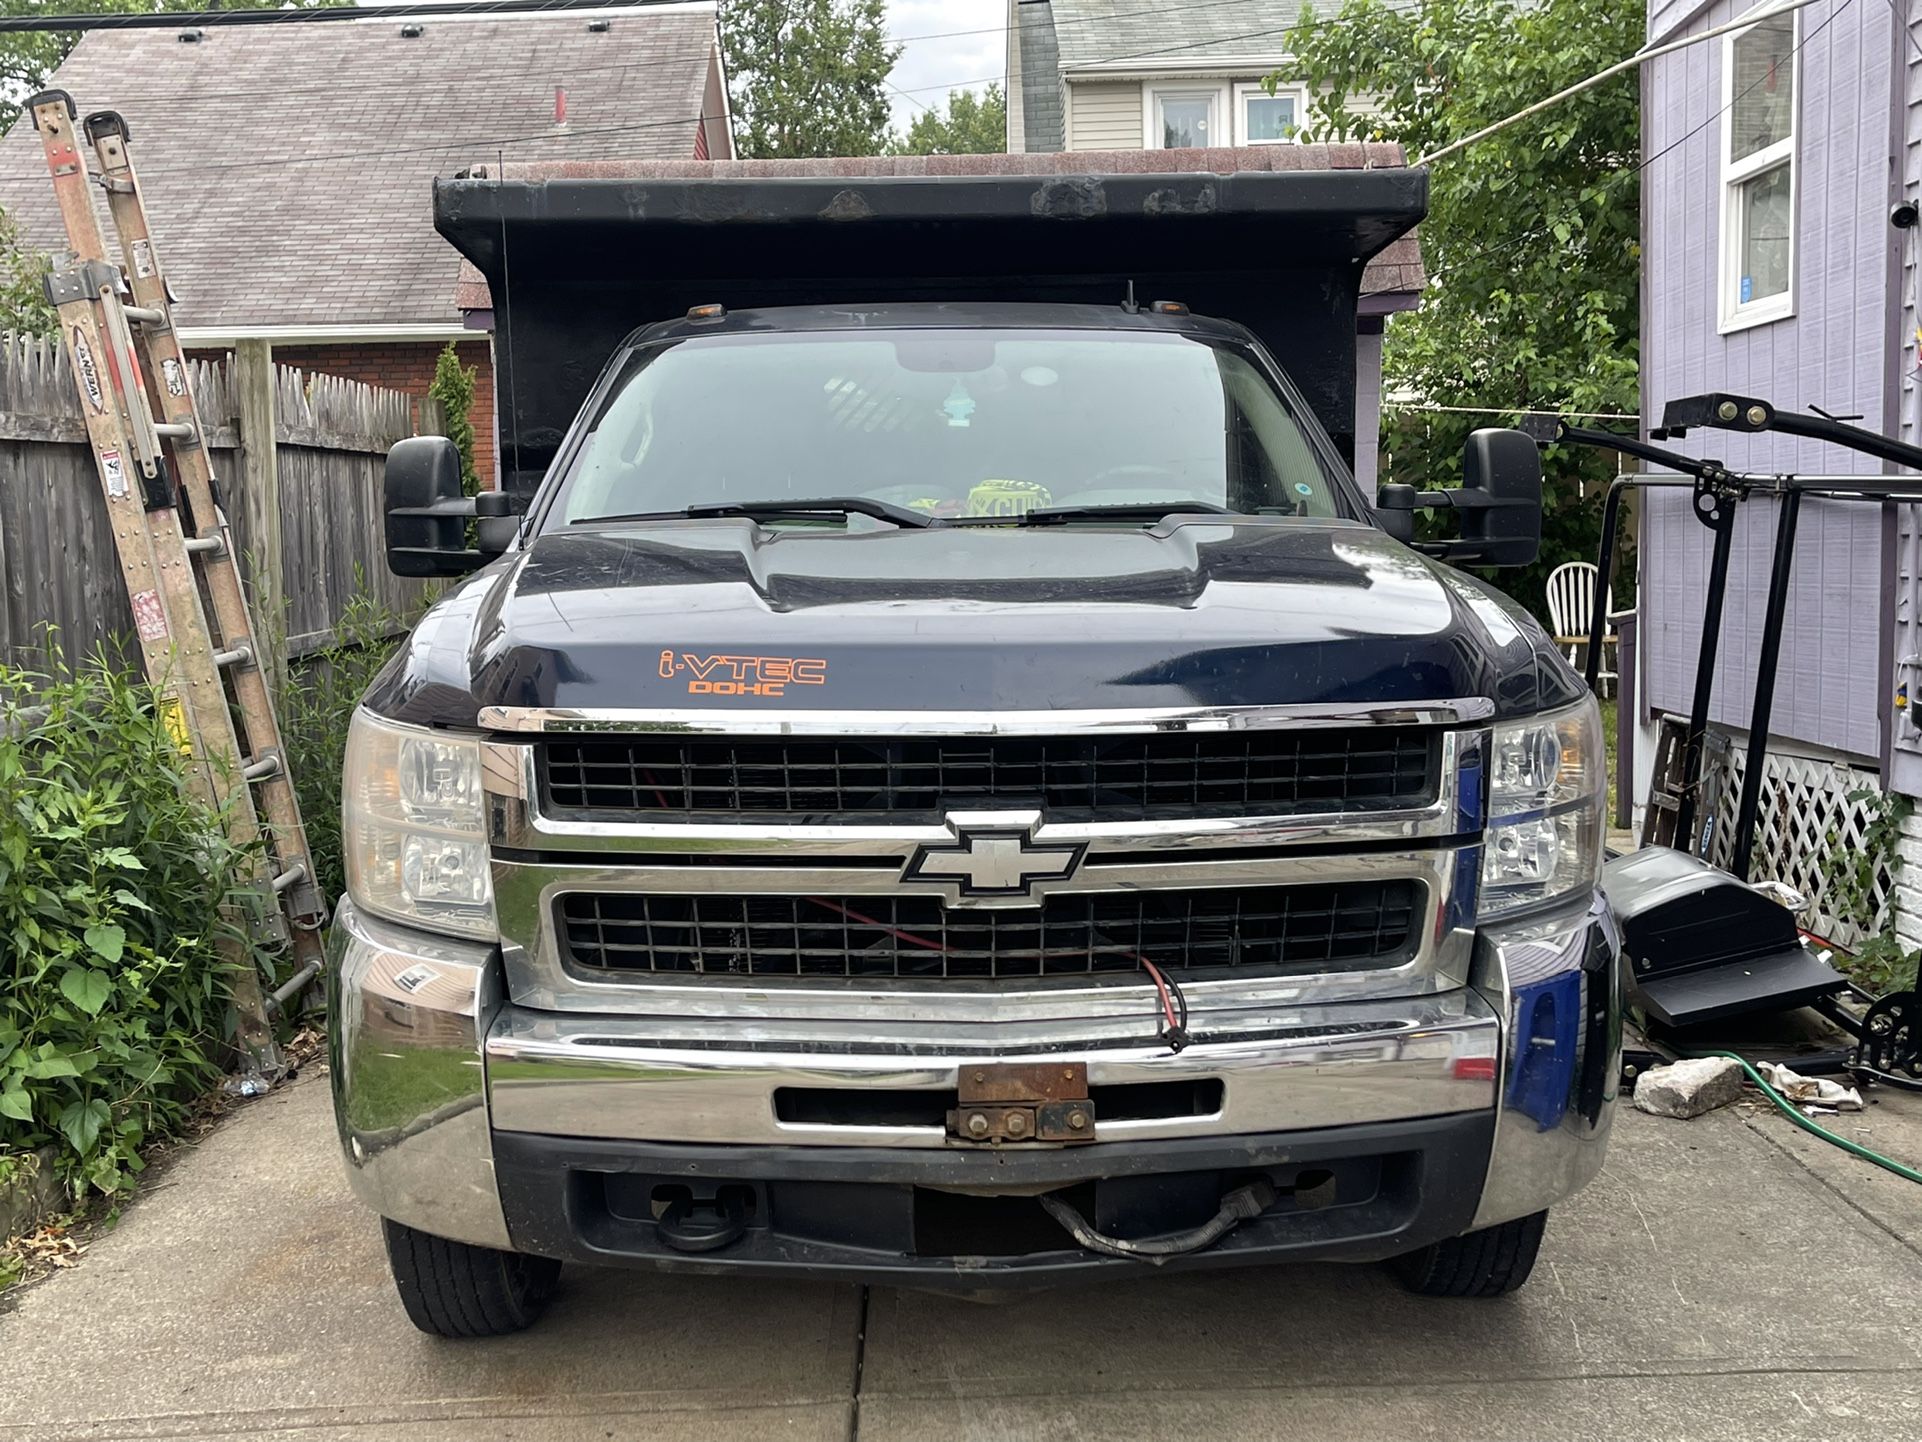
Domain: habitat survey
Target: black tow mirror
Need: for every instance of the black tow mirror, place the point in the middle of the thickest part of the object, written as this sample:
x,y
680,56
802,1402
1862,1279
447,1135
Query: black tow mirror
x,y
1501,498
1499,501
1395,507
427,515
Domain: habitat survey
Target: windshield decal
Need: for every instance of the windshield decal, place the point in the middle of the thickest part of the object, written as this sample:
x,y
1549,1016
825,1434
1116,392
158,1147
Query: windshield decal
x,y
742,675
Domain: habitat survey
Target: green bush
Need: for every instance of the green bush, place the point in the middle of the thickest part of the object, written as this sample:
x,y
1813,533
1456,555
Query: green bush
x,y
114,881
453,387
321,695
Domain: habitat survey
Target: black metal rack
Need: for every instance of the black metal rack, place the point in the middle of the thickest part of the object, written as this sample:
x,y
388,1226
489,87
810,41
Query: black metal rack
x,y
1889,1033
1718,492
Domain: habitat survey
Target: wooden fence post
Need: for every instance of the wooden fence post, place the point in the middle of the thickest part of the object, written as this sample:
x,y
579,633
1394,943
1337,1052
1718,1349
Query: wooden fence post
x,y
254,382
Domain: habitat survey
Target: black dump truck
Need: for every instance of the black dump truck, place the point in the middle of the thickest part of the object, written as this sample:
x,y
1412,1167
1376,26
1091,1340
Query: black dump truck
x,y
933,772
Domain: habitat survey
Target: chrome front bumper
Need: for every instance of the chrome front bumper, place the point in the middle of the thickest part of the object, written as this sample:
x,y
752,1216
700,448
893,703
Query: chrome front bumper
x,y
431,1063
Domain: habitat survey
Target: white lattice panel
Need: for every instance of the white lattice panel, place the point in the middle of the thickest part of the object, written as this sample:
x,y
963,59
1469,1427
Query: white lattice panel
x,y
1805,813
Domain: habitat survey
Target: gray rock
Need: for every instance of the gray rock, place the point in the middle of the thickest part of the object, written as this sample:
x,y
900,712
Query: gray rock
x,y
1688,1088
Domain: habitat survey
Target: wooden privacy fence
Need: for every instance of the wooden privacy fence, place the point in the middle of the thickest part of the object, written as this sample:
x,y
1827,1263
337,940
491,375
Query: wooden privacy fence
x,y
304,509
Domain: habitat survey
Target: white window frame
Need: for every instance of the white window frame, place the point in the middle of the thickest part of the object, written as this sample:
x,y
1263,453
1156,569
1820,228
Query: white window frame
x,y
1246,90
1734,314
1153,90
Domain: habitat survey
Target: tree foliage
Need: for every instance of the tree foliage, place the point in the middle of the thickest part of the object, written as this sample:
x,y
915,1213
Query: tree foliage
x,y
1532,241
23,297
807,77
970,125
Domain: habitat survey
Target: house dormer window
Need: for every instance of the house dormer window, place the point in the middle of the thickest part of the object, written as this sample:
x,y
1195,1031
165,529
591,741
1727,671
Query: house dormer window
x,y
1178,113
1758,173
1186,116
1266,119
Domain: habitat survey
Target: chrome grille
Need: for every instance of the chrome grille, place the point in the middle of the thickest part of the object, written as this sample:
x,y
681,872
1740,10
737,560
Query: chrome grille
x,y
1105,777
1264,931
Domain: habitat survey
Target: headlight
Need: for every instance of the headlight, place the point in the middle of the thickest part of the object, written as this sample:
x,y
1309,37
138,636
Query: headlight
x,y
411,826
1545,790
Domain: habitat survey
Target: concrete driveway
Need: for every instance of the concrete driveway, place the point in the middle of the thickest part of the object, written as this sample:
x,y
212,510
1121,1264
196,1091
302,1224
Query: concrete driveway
x,y
1727,1278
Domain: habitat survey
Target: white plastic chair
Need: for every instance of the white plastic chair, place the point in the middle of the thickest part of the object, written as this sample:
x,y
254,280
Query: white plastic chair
x,y
1571,610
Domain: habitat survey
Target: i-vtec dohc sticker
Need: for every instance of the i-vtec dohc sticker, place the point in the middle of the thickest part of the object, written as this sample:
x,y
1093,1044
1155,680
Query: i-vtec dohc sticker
x,y
742,675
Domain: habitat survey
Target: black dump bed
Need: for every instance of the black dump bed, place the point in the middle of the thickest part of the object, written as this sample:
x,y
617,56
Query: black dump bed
x,y
576,262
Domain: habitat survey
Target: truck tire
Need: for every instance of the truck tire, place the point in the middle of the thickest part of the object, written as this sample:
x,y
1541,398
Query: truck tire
x,y
1488,1263
451,1289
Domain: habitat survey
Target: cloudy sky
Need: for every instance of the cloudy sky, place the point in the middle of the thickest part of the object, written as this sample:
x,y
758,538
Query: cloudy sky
x,y
928,69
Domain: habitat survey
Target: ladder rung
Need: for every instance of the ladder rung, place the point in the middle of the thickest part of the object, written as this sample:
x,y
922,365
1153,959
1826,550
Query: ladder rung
x,y
201,545
292,876
174,430
238,656
293,986
262,769
145,314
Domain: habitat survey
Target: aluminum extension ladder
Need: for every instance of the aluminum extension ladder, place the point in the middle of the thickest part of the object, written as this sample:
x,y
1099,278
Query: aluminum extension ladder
x,y
176,555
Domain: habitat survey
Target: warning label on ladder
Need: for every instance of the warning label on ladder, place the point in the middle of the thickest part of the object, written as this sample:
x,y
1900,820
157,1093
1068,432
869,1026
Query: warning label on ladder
x,y
174,717
114,473
142,258
149,616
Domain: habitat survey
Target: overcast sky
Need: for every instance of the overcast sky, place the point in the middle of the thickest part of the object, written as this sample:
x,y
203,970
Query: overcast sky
x,y
928,69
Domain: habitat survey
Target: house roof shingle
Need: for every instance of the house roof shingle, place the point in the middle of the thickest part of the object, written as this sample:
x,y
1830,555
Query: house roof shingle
x,y
342,233
1091,32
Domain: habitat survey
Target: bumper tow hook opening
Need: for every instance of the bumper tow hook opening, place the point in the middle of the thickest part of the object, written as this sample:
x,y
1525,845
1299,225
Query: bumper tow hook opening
x,y
708,1227
1243,1204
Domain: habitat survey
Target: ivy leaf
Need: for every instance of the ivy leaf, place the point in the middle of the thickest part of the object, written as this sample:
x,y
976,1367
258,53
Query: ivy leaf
x,y
15,1103
107,943
45,1068
80,1123
86,988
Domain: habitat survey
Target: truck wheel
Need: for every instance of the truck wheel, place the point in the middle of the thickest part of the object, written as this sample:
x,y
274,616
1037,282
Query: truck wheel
x,y
451,1289
1487,1263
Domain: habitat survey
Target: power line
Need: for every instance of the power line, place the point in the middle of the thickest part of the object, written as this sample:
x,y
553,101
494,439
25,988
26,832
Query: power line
x,y
1639,58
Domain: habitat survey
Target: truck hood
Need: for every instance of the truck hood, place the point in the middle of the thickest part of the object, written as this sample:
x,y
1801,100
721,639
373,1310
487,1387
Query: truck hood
x,y
733,618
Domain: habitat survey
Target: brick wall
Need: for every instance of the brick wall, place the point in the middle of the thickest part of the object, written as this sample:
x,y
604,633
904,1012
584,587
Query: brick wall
x,y
408,366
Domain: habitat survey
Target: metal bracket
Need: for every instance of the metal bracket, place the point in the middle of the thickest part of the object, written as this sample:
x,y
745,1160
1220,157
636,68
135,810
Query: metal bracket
x,y
1713,494
84,281
1013,1102
260,916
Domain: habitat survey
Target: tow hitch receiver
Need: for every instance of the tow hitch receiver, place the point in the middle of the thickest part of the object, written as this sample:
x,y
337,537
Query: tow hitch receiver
x,y
1016,1103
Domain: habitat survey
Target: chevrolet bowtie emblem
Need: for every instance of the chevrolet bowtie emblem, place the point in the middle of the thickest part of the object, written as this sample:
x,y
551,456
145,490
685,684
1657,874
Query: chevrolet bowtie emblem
x,y
993,855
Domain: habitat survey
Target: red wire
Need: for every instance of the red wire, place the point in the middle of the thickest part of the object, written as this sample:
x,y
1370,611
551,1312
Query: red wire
x,y
1154,972
659,799
906,936
1161,985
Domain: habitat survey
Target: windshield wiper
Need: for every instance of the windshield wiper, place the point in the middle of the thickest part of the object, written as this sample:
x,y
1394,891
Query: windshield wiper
x,y
1133,510
777,510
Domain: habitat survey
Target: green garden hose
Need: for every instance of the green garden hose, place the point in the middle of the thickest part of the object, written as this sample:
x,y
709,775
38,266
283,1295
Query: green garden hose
x,y
1809,1124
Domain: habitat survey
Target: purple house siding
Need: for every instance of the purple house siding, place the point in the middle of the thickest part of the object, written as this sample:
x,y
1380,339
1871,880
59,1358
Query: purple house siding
x,y
1832,352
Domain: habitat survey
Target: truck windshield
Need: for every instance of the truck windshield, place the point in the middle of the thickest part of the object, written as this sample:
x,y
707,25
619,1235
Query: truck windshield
x,y
952,423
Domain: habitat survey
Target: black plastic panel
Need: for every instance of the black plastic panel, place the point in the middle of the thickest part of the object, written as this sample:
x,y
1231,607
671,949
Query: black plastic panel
x,y
1271,930
1070,777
